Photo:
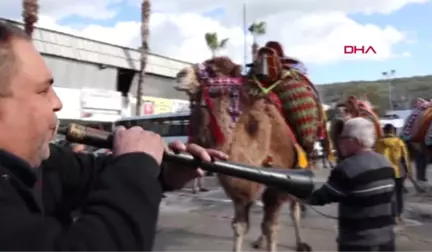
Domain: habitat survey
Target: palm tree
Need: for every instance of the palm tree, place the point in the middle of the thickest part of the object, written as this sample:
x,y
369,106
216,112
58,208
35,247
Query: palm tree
x,y
145,19
256,29
214,44
30,15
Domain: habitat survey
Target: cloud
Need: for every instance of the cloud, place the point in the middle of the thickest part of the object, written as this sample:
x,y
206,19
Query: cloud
x,y
122,33
258,9
94,9
311,30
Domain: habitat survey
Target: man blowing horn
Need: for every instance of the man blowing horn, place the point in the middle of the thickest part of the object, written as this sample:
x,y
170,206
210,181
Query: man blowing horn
x,y
118,195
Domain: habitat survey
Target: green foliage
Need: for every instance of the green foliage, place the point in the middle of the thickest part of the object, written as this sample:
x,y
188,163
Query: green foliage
x,y
213,42
258,28
223,43
404,91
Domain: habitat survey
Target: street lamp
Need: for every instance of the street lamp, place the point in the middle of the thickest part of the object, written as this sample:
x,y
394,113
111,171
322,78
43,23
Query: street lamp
x,y
389,76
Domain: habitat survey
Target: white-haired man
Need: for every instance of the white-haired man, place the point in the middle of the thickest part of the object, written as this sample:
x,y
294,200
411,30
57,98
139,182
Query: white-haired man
x,y
363,184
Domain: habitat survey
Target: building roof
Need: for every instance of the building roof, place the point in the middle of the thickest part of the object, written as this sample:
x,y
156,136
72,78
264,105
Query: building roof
x,y
50,42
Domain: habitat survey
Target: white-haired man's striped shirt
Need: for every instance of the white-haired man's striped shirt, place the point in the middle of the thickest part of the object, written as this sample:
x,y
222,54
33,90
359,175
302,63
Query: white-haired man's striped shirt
x,y
363,185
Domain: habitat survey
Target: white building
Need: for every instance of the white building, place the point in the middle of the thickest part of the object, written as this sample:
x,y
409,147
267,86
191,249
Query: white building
x,y
96,80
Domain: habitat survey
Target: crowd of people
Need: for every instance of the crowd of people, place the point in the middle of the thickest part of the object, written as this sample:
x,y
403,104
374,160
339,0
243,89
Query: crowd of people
x,y
60,198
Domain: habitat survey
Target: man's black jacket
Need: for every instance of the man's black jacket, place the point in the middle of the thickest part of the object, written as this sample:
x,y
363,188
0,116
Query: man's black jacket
x,y
117,198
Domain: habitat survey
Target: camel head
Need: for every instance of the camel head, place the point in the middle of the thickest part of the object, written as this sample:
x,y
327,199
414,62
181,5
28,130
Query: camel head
x,y
187,80
213,88
356,106
190,78
364,108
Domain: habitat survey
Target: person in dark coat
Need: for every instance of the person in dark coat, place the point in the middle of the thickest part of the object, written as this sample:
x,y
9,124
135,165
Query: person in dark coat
x,y
363,184
74,201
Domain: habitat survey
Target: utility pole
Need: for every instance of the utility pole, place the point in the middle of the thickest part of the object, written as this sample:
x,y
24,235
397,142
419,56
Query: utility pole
x,y
245,30
389,75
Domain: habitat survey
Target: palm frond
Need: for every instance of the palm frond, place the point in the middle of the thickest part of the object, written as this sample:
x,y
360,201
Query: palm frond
x,y
261,28
252,28
223,43
212,40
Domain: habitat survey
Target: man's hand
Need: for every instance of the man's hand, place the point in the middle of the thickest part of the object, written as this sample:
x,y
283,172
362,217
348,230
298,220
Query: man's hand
x,y
136,139
177,177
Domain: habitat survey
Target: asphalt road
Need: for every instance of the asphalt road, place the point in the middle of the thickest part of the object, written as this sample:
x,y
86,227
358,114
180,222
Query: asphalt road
x,y
201,222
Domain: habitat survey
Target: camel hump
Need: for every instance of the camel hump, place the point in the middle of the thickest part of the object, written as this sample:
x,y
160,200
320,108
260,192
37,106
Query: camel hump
x,y
277,47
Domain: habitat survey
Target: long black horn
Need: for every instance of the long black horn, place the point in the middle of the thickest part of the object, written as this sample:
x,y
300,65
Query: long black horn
x,y
295,182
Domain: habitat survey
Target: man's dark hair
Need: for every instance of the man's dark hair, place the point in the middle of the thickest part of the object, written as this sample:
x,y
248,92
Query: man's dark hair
x,y
389,129
8,32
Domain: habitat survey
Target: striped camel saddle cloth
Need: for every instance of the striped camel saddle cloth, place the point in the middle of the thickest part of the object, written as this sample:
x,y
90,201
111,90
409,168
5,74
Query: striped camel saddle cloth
x,y
418,126
299,99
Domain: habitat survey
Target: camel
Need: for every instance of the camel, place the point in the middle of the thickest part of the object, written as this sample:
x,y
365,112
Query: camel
x,y
417,131
417,128
229,113
354,107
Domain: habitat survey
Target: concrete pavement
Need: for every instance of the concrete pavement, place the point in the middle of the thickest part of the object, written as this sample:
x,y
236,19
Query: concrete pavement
x,y
416,204
201,222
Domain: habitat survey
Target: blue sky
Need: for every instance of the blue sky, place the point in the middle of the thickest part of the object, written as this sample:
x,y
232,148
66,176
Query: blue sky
x,y
415,19
125,13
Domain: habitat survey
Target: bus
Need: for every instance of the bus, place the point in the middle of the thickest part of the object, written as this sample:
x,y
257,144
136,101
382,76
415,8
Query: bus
x,y
170,126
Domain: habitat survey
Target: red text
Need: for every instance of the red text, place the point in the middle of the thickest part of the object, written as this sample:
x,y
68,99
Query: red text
x,y
349,49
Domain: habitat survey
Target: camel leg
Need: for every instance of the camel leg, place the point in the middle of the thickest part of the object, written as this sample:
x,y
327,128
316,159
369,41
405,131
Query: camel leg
x,y
296,216
302,208
270,223
240,223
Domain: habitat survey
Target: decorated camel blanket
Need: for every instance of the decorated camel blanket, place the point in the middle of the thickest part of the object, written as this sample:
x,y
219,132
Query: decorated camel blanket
x,y
418,126
299,100
300,108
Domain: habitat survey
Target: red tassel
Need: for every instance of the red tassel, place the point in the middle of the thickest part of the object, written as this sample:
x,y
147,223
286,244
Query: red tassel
x,y
217,132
